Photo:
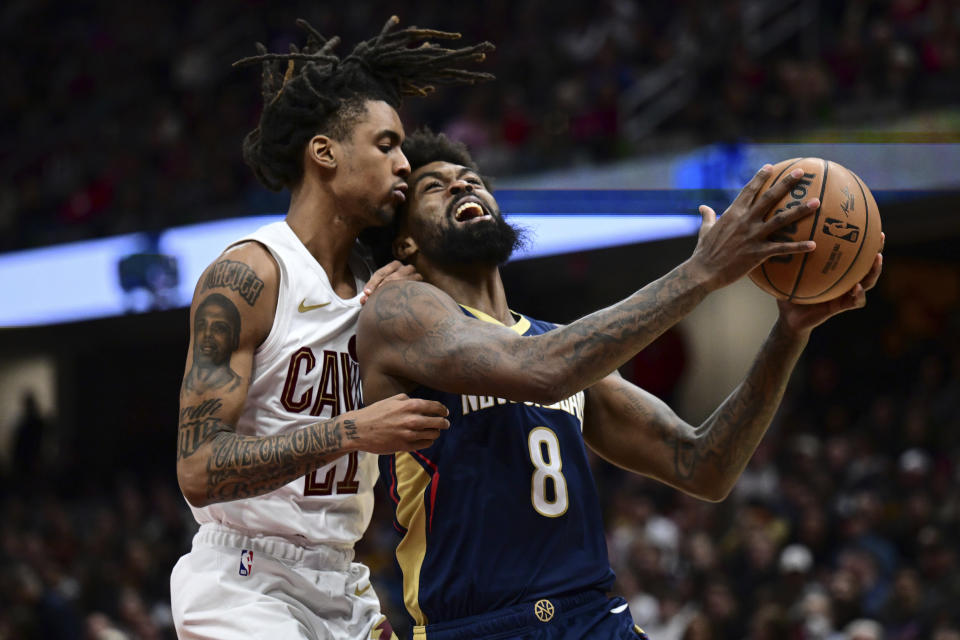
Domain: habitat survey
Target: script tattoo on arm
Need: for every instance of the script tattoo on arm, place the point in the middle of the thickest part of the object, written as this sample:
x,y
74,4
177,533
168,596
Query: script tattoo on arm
x,y
197,424
235,276
350,429
245,466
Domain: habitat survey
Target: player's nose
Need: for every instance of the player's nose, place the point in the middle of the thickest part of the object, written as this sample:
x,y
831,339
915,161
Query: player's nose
x,y
402,168
460,185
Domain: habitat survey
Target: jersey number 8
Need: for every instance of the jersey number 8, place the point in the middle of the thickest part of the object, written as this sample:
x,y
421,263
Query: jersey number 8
x,y
545,456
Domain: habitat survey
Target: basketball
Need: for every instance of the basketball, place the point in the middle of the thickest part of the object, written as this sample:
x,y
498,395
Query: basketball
x,y
846,228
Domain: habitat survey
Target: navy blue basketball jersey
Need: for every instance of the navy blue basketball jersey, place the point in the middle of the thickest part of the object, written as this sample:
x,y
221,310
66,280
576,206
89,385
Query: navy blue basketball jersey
x,y
500,509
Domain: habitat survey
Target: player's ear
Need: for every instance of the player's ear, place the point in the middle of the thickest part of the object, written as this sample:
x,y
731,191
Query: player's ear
x,y
404,247
320,150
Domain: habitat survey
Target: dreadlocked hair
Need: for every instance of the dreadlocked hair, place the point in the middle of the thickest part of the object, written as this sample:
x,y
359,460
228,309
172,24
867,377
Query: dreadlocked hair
x,y
311,91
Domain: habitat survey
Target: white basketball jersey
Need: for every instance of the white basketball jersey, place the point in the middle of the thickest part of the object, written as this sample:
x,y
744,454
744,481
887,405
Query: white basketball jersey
x,y
305,372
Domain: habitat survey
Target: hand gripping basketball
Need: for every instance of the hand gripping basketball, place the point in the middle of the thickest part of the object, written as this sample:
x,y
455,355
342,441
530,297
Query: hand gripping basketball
x,y
845,227
731,246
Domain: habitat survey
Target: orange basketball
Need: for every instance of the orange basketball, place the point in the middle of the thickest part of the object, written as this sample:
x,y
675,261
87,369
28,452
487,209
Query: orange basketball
x,y
846,229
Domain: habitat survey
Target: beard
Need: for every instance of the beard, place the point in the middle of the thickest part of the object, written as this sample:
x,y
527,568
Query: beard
x,y
488,242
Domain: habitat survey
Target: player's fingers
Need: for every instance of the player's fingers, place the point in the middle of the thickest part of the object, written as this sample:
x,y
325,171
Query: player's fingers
x,y
380,275
789,216
750,190
432,423
426,407
857,296
421,407
420,444
873,275
775,193
404,272
708,217
784,248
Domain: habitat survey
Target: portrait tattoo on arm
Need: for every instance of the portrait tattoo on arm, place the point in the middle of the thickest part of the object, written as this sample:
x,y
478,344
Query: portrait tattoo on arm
x,y
216,335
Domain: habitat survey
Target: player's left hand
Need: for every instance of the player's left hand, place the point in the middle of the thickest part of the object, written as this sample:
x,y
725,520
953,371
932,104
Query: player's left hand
x,y
802,318
395,270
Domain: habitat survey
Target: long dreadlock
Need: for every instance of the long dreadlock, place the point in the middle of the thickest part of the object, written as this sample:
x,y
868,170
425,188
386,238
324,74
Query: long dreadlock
x,y
310,91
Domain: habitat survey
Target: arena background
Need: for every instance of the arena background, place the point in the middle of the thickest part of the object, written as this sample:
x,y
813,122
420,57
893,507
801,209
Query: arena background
x,y
126,118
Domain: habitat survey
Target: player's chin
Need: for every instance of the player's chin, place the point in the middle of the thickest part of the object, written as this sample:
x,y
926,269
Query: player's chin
x,y
385,214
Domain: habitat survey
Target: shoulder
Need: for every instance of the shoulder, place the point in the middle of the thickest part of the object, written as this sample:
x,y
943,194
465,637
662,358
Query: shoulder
x,y
400,310
396,299
243,281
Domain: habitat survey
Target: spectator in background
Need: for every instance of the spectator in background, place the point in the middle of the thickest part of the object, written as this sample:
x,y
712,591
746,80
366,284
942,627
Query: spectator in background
x,y
28,439
90,156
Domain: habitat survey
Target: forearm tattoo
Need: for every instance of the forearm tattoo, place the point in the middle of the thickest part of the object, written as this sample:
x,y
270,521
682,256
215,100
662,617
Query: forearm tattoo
x,y
245,466
728,438
416,323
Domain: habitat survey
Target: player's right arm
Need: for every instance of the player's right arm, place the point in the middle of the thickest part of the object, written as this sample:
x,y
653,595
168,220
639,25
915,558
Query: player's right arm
x,y
232,312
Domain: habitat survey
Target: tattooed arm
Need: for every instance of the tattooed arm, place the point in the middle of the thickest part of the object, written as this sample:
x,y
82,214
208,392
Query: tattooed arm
x,y
414,332
232,312
637,431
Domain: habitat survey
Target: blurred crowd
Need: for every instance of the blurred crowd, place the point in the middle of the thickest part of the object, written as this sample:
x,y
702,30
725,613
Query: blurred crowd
x,y
91,565
846,523
125,117
844,526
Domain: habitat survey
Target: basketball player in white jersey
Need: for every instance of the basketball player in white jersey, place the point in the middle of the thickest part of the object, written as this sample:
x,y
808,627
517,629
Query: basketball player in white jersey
x,y
275,453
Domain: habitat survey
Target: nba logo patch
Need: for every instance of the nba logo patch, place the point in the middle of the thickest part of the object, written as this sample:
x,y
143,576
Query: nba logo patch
x,y
246,562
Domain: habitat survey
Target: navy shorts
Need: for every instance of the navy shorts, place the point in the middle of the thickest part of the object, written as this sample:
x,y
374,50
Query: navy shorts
x,y
589,615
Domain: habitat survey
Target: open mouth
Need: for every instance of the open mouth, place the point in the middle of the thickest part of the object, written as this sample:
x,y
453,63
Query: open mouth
x,y
469,211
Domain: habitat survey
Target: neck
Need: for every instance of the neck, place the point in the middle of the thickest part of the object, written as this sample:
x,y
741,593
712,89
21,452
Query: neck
x,y
479,287
327,232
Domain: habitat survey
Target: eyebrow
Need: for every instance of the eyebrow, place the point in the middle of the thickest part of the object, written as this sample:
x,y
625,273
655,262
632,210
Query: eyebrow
x,y
391,134
439,176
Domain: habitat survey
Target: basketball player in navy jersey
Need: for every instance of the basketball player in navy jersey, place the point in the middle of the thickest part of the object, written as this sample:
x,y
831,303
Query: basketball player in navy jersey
x,y
501,532
275,452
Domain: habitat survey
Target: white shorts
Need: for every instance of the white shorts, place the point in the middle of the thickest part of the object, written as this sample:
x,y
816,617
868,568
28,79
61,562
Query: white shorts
x,y
234,586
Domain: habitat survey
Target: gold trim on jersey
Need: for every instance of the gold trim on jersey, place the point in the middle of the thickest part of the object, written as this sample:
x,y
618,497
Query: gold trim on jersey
x,y
412,482
419,632
520,326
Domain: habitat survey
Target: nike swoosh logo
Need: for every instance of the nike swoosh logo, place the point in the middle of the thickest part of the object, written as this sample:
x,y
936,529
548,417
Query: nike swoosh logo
x,y
303,308
359,592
